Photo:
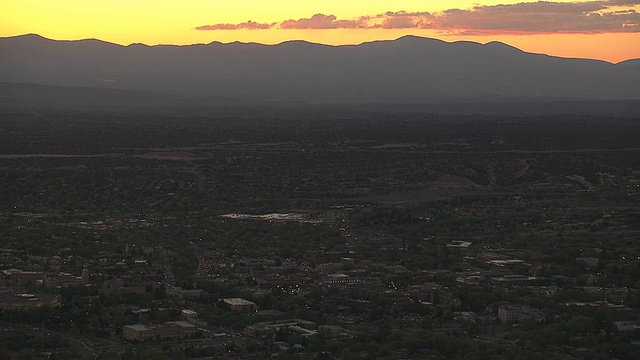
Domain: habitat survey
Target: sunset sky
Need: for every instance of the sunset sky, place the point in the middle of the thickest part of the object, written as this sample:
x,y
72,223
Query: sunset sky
x,y
605,29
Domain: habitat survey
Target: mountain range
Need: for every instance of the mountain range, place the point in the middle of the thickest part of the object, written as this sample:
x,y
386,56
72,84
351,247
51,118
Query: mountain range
x,y
407,70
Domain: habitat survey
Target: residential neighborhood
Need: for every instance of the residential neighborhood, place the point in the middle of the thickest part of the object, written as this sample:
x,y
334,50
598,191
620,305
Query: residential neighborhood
x,y
364,239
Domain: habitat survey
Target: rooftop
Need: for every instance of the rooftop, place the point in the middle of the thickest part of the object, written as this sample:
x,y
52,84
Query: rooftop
x,y
237,301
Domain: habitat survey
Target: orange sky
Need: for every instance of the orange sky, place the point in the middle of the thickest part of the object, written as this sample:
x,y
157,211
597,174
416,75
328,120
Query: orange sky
x,y
606,29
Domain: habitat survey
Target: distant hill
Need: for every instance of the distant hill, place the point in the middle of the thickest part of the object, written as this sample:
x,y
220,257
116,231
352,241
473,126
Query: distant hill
x,y
409,70
15,96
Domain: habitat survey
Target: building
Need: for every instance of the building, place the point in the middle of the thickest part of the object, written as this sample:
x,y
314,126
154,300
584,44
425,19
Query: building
x,y
516,313
239,305
515,279
138,332
191,317
457,244
621,326
261,329
28,301
188,314
23,278
167,331
180,292
67,279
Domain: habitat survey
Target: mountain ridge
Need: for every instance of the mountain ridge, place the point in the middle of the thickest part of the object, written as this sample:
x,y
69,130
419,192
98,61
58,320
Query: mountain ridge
x,y
216,42
410,69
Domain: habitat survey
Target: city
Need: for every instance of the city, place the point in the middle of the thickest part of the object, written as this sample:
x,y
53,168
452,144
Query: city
x,y
296,234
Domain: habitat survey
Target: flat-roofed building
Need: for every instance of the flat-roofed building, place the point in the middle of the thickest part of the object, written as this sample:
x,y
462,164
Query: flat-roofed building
x,y
302,327
138,332
239,304
516,313
168,330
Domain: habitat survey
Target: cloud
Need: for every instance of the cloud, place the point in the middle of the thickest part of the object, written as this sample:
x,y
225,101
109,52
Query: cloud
x,y
624,2
589,17
250,25
321,21
406,20
540,17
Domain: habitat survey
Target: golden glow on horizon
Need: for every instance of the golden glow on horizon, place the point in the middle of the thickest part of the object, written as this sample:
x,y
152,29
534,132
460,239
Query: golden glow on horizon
x,y
174,22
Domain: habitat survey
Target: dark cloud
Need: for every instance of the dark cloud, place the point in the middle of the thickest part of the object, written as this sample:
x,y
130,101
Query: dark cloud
x,y
623,2
540,17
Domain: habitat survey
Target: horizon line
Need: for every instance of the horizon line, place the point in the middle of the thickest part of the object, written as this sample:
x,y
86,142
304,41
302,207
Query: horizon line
x,y
314,43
